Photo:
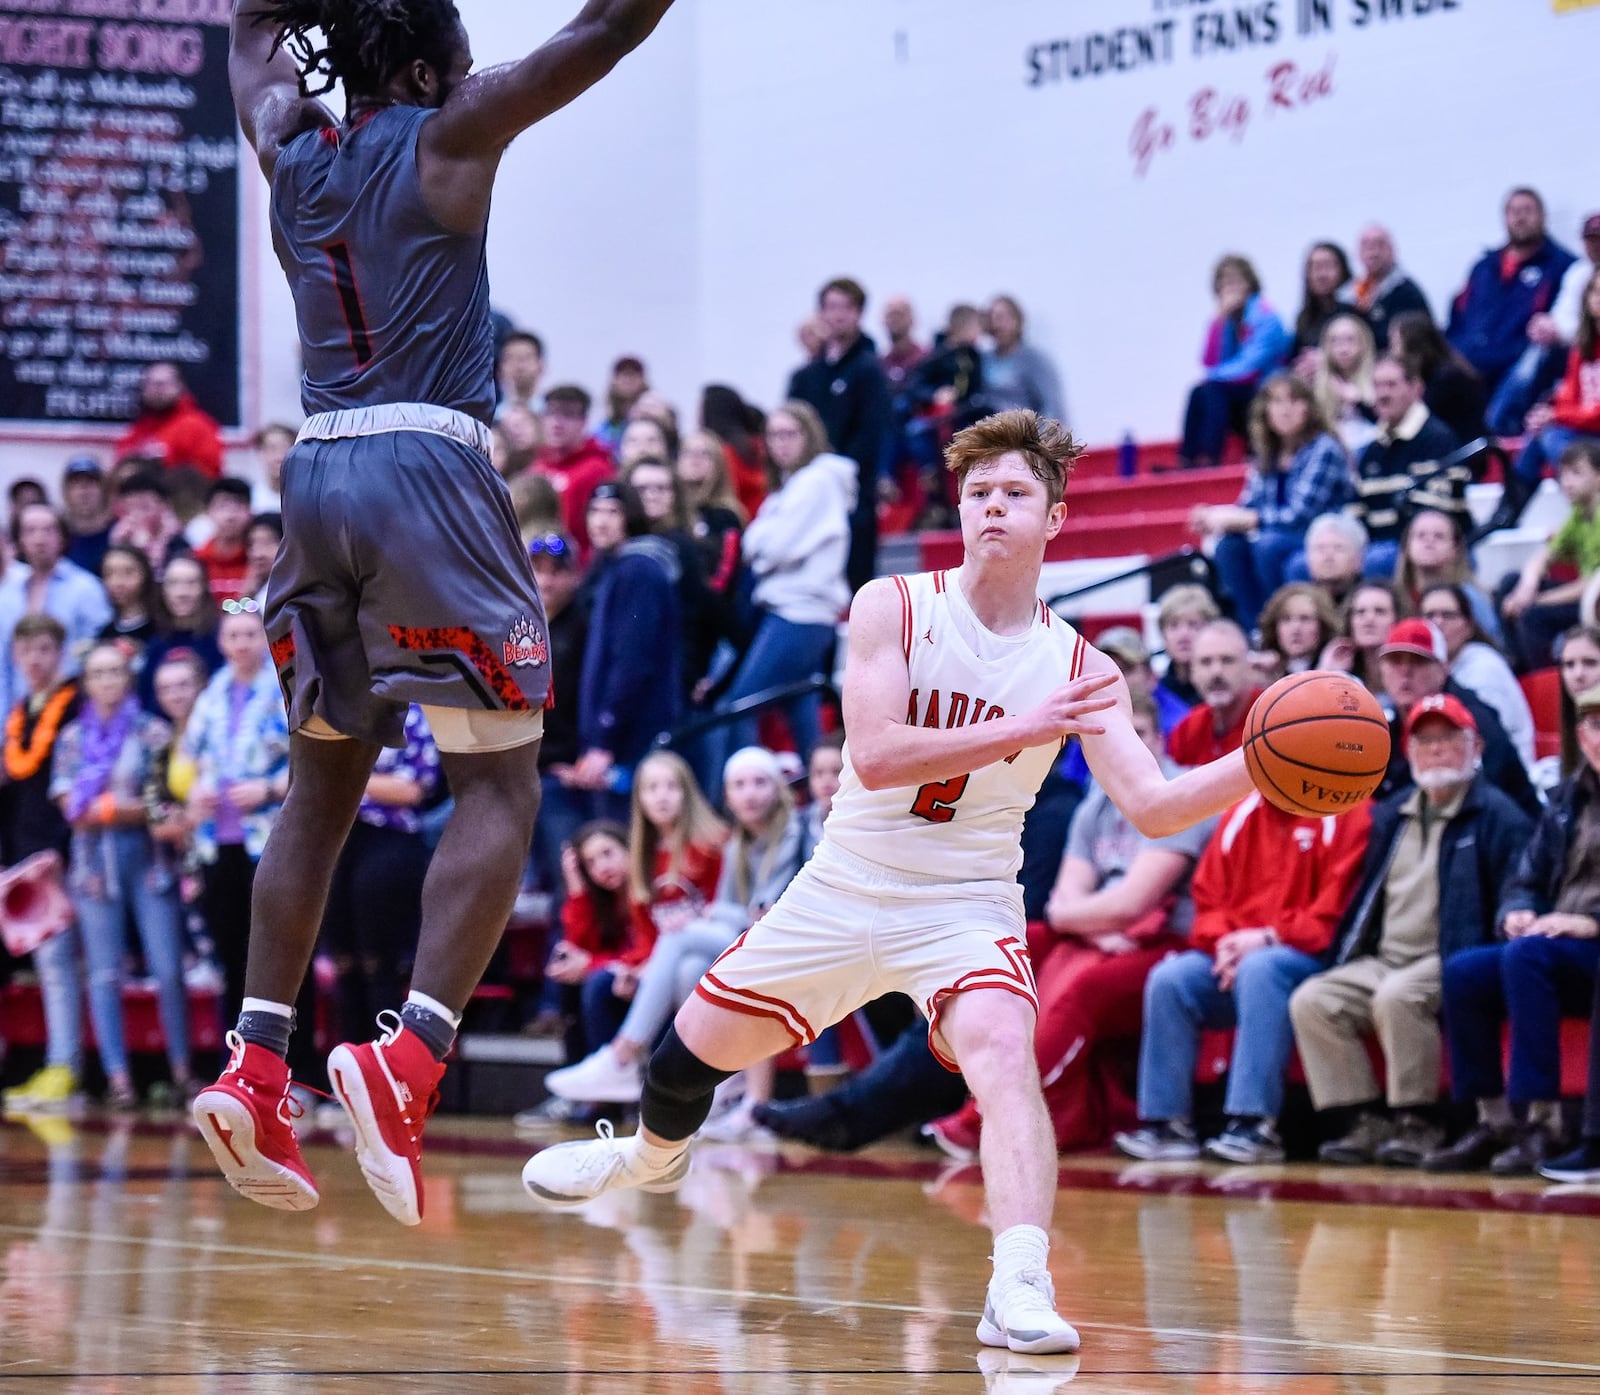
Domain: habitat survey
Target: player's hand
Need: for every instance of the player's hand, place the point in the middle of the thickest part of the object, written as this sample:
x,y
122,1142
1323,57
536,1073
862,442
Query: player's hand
x,y
1517,923
1071,709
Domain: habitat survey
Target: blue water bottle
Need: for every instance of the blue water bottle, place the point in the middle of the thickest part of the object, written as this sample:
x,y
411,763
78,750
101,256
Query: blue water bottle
x,y
1128,456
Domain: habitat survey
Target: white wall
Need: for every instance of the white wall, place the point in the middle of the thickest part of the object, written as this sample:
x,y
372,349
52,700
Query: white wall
x,y
687,209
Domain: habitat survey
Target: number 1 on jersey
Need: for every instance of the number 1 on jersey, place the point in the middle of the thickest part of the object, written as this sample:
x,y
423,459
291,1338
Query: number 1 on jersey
x,y
355,318
936,801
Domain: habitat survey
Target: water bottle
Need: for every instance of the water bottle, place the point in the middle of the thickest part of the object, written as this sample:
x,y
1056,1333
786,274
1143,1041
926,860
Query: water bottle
x,y
1128,456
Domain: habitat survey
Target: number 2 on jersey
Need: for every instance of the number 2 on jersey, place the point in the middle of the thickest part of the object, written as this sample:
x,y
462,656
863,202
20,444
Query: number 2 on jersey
x,y
936,801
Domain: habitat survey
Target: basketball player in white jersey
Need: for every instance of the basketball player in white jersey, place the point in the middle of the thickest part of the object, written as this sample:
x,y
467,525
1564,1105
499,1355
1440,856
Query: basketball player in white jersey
x,y
959,691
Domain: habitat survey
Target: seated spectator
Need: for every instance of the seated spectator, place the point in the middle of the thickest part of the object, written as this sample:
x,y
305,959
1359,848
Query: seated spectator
x,y
1536,612
675,843
30,823
1300,471
563,805
1489,317
515,442
138,616
741,429
225,556
1119,907
1383,291
1341,378
1327,274
191,622
1220,671
1268,894
758,862
86,512
1454,392
1244,344
1578,663
904,353
1542,971
1415,664
1017,373
519,366
1370,612
628,384
373,915
1125,647
1299,622
1336,549
1403,463
171,429
1430,885
146,521
43,582
1477,664
644,439
262,539
1433,552
604,940
1182,613
632,687
272,445
117,871
572,460
1574,411
796,548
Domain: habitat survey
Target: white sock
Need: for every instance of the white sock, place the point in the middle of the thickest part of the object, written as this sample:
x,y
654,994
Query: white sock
x,y
657,1157
438,1009
1019,1248
266,1005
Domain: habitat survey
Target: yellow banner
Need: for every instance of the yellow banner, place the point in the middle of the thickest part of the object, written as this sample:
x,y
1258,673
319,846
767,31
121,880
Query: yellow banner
x,y
1562,6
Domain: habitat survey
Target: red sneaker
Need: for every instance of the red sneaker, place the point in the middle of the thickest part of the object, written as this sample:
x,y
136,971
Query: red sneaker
x,y
957,1134
245,1121
389,1087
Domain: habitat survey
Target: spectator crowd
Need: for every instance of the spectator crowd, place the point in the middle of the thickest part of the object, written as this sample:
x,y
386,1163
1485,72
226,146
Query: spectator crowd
x,y
695,574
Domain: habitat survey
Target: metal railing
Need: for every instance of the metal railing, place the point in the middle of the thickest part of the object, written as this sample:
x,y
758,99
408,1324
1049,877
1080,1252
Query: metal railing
x,y
703,722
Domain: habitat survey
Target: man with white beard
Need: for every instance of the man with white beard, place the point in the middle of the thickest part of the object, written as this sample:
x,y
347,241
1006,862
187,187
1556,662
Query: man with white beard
x,y
1439,853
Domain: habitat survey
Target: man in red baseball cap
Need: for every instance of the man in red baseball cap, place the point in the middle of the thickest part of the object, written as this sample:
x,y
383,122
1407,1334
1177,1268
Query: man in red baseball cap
x,y
1414,665
1437,857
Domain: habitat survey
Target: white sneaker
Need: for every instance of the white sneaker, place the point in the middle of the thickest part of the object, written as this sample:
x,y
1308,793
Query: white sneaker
x,y
738,1125
572,1174
1005,1373
599,1078
1023,1316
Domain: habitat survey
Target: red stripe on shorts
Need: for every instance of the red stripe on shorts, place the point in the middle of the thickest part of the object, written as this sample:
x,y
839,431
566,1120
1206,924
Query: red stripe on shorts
x,y
735,1000
464,642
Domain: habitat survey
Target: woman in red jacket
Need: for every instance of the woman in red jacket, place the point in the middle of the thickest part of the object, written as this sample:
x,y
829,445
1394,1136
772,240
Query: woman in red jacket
x,y
1573,410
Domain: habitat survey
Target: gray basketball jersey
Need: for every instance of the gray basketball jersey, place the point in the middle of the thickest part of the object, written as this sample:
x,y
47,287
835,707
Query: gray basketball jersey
x,y
392,306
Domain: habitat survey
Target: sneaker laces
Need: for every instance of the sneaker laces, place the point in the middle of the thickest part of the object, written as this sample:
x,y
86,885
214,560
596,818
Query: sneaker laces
x,y
392,1024
1036,1290
596,1166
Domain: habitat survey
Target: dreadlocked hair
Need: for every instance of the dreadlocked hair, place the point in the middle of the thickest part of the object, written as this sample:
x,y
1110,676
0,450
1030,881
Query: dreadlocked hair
x,y
363,43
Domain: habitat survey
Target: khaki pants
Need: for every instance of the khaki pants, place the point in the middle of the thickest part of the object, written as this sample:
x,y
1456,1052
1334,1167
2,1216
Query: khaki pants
x,y
1333,1012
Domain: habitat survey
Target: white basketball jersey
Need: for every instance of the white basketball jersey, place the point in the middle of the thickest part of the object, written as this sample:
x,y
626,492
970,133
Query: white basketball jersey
x,y
968,828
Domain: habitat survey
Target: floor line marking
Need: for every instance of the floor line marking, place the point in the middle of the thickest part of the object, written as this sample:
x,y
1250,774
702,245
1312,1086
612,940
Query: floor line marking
x,y
555,1277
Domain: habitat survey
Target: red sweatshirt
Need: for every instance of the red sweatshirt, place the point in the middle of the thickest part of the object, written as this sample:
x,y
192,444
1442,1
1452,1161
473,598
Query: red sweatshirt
x,y
677,898
580,928
1265,868
1577,399
575,476
1194,741
184,435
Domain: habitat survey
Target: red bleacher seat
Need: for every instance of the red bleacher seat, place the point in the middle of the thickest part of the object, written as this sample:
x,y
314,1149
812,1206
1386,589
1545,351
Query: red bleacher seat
x,y
22,1019
1542,688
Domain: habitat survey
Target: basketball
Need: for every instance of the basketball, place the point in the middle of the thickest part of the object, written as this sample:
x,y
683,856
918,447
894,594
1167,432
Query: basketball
x,y
1316,743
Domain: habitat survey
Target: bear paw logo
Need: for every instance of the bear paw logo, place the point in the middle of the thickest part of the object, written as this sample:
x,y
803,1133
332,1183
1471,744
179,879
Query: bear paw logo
x,y
525,646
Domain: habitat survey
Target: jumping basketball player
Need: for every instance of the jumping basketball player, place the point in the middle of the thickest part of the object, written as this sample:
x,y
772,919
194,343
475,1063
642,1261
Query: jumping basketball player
x,y
401,578
959,690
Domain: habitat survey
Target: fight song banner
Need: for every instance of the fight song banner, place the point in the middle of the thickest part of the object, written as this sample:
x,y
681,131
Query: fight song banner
x,y
119,206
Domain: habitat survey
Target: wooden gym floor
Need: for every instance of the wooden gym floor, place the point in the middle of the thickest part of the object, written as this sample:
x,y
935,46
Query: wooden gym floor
x,y
126,1265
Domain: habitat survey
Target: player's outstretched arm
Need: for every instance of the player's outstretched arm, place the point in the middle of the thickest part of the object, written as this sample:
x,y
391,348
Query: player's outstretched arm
x,y
490,109
1131,776
887,753
266,87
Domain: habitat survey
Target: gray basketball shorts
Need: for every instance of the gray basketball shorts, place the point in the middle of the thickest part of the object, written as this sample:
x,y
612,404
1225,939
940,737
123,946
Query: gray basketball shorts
x,y
402,578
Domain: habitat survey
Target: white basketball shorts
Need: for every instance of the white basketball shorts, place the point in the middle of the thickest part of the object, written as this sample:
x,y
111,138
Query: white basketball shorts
x,y
847,931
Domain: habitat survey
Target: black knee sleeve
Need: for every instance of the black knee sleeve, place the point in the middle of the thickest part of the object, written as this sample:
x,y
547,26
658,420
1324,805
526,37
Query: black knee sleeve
x,y
678,1087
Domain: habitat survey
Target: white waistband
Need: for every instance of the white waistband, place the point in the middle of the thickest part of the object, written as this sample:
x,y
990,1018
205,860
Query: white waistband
x,y
397,416
865,872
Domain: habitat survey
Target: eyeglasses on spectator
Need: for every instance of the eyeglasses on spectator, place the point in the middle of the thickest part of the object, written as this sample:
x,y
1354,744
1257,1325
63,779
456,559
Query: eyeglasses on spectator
x,y
246,605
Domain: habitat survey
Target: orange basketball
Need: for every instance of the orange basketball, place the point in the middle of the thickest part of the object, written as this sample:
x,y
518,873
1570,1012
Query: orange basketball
x,y
1316,743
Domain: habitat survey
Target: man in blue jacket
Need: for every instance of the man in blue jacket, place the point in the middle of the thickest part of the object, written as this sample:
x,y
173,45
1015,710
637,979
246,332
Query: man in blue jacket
x,y
1489,318
1438,855
1544,971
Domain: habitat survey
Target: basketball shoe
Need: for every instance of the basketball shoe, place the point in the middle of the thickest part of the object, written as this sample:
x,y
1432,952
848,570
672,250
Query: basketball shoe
x,y
389,1087
246,1119
1022,1316
571,1174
